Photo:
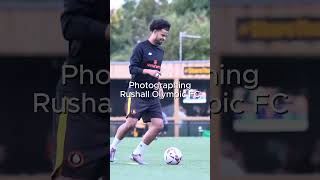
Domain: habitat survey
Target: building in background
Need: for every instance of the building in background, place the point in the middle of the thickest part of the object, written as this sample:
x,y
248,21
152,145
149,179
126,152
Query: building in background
x,y
280,39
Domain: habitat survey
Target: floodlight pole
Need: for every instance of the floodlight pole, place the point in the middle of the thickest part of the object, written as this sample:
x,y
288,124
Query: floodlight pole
x,y
177,118
185,35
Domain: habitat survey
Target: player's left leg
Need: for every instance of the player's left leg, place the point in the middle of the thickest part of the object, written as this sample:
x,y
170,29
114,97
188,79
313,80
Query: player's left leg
x,y
155,127
153,115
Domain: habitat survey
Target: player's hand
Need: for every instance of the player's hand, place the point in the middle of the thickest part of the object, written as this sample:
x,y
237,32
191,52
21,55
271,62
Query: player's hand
x,y
161,93
153,73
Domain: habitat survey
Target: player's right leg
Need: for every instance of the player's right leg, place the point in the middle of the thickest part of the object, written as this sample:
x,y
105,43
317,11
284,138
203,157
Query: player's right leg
x,y
135,108
126,127
120,134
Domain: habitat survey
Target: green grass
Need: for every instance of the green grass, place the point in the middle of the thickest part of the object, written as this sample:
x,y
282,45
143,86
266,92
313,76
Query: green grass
x,y
195,164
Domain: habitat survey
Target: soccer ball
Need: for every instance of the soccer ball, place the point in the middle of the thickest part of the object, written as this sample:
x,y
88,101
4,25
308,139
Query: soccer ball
x,y
172,156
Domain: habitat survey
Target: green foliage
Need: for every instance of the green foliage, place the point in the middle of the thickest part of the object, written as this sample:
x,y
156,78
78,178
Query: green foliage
x,y
182,7
129,25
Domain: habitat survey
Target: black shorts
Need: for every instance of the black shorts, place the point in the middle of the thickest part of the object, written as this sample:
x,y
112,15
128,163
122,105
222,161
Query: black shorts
x,y
80,144
145,108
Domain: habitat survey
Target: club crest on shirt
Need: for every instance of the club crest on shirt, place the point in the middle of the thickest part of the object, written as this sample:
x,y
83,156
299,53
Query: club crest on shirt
x,y
75,159
150,53
154,65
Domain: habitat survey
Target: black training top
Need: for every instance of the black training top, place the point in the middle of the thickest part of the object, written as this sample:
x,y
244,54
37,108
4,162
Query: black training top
x,y
83,24
145,56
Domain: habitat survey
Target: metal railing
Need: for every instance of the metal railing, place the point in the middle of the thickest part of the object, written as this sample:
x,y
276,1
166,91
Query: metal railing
x,y
186,128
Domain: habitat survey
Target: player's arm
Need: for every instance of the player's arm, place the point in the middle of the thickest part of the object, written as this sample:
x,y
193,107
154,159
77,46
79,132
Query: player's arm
x,y
135,62
161,93
76,25
151,72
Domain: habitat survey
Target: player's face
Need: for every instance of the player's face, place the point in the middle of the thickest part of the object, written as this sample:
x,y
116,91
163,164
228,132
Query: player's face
x,y
161,36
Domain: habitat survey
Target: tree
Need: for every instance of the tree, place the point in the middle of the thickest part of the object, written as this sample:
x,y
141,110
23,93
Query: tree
x,y
129,25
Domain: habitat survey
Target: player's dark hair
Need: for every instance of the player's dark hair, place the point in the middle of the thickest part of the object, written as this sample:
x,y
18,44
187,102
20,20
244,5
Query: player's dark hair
x,y
159,24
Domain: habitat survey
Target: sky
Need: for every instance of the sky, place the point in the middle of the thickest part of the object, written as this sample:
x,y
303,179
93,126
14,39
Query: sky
x,y
115,4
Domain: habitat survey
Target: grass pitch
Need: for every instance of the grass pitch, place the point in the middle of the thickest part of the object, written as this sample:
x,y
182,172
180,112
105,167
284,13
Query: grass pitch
x,y
195,162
